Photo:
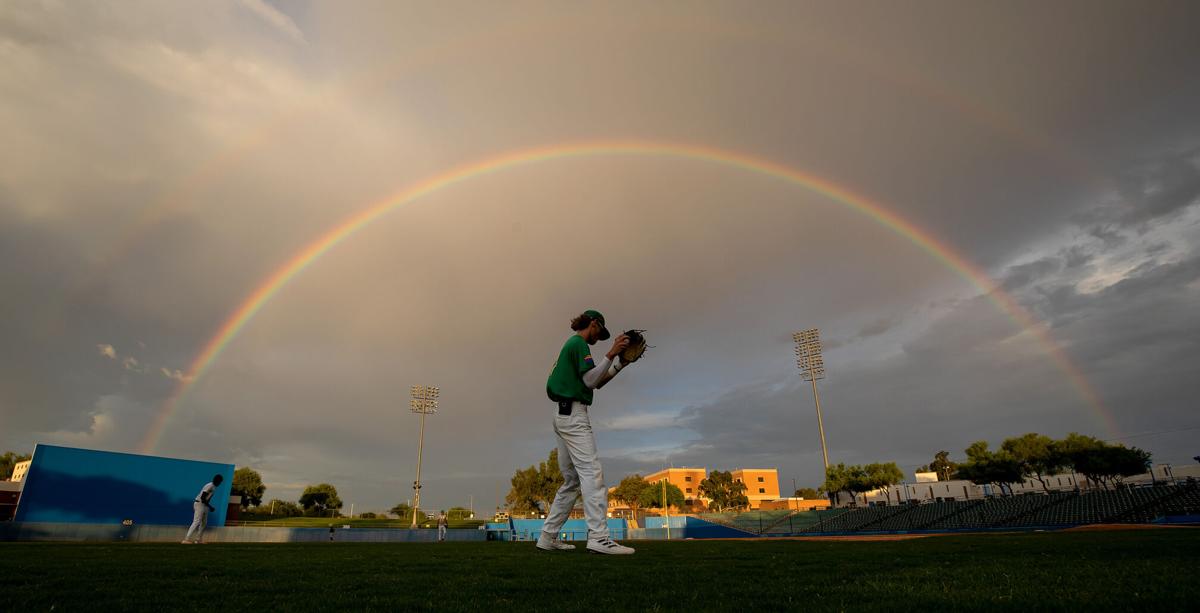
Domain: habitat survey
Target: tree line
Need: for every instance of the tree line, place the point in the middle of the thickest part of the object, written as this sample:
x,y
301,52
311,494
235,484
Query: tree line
x,y
1030,456
532,490
320,500
857,479
1036,456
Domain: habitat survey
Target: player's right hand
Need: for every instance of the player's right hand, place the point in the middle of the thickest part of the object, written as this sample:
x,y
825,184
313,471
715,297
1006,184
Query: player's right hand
x,y
619,345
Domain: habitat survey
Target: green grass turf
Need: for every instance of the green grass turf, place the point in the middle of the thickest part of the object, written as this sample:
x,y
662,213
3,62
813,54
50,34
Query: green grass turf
x,y
1136,570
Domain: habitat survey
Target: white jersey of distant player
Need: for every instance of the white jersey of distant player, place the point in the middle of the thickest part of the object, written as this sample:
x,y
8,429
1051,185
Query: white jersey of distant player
x,y
208,488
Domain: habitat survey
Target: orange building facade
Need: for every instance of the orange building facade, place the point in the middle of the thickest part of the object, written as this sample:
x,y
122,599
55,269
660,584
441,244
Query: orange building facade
x,y
688,481
762,484
762,489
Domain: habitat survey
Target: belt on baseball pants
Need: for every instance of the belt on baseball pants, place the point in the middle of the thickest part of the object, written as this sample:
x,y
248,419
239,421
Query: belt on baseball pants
x,y
564,406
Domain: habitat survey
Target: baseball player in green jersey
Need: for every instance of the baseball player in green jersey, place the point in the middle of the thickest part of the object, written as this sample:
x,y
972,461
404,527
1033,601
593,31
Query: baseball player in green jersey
x,y
575,375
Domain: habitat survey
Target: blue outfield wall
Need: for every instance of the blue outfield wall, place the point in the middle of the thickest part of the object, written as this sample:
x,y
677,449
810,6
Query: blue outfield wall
x,y
687,527
682,527
84,486
573,530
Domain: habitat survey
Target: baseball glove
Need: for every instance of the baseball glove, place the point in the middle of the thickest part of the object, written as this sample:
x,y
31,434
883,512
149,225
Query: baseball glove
x,y
637,346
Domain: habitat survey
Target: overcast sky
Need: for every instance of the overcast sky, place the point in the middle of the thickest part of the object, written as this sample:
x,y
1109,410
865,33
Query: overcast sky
x,y
160,159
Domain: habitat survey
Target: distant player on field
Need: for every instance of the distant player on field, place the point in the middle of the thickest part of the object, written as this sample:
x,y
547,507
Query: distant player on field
x,y
201,508
442,523
571,382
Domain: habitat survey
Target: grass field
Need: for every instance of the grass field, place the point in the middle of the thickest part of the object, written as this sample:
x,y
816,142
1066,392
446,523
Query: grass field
x,y
1143,570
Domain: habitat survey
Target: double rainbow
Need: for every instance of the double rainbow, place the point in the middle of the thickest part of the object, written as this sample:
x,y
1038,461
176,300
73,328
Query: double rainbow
x,y
940,251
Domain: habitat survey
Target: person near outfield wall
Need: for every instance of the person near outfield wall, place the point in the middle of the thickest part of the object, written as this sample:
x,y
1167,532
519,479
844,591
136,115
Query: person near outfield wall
x,y
442,523
200,510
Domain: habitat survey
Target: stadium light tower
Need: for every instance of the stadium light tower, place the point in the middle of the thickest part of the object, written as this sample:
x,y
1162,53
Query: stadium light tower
x,y
812,367
424,401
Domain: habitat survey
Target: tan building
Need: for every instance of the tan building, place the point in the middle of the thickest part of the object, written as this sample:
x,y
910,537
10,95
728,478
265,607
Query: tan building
x,y
762,484
688,481
762,489
19,470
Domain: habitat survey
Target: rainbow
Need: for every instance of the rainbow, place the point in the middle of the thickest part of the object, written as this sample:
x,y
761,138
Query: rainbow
x,y
923,240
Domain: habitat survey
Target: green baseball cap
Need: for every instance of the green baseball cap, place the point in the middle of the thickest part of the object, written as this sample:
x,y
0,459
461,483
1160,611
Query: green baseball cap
x,y
594,314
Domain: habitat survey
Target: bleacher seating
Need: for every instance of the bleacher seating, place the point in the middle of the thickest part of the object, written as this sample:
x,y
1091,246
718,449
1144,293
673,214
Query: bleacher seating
x,y
801,520
858,519
1184,502
1071,510
922,516
1126,505
991,513
1137,505
1057,509
755,522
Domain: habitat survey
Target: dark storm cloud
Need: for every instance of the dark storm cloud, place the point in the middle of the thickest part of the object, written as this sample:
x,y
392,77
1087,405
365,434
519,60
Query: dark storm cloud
x,y
876,327
1021,275
1162,186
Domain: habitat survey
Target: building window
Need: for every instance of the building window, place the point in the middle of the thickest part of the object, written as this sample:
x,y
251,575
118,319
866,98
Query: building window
x,y
760,479
689,490
688,479
762,491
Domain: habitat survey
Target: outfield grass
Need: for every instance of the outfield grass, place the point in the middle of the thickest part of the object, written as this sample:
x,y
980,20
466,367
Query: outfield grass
x,y
1135,570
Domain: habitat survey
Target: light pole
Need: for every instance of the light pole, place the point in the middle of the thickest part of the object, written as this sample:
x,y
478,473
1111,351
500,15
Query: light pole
x,y
666,513
424,401
812,367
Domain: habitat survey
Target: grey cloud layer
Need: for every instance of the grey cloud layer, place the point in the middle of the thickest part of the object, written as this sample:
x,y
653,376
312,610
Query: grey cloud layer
x,y
247,129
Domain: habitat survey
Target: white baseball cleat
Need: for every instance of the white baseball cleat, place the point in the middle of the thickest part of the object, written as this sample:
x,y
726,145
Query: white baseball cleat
x,y
608,546
552,543
185,543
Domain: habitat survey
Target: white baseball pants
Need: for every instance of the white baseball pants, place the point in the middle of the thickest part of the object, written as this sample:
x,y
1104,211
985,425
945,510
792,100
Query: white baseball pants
x,y
581,474
199,521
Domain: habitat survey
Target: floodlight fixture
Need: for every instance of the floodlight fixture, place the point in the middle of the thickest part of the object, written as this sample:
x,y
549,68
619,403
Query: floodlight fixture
x,y
424,399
